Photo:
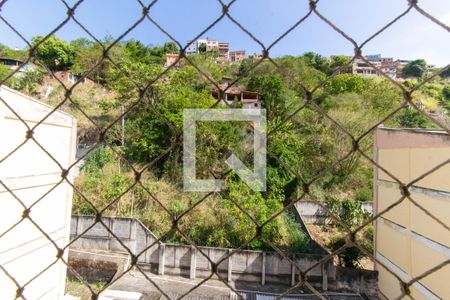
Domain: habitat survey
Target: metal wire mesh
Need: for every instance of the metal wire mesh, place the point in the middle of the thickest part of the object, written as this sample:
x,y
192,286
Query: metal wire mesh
x,y
310,102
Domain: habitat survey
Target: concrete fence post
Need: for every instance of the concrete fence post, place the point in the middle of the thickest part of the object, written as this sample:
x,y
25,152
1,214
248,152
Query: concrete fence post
x,y
193,265
162,258
79,227
292,275
230,266
134,236
110,225
324,268
263,268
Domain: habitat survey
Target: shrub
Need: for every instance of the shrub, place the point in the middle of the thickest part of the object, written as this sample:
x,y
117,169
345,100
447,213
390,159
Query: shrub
x,y
410,118
97,159
350,256
363,195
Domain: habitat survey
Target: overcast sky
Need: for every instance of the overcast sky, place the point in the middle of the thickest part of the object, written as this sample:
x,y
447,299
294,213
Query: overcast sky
x,y
412,37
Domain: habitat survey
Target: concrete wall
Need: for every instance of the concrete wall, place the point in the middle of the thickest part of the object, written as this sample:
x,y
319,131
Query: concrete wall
x,y
29,173
132,234
313,212
408,242
245,265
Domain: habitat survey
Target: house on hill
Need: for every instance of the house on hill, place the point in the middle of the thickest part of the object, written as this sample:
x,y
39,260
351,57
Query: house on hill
x,y
13,64
236,94
172,58
67,77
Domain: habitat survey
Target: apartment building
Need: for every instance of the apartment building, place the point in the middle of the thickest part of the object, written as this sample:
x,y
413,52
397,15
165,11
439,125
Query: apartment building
x,y
208,44
192,48
360,67
388,65
236,56
224,49
408,241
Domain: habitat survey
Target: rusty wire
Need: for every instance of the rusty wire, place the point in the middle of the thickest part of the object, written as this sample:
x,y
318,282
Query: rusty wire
x,y
310,102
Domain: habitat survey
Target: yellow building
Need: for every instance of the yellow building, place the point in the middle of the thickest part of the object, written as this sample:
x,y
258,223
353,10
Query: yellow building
x,y
408,242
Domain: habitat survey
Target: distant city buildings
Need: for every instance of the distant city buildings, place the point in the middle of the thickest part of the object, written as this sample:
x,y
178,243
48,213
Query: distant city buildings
x,y
372,65
389,66
386,64
223,49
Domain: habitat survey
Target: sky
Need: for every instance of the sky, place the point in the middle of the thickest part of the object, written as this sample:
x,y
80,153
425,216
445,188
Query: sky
x,y
414,36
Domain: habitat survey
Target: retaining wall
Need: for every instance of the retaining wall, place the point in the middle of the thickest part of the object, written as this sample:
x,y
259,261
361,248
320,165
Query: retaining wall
x,y
313,213
244,265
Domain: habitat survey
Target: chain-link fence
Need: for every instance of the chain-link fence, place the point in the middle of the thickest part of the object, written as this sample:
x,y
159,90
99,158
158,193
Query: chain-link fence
x,y
146,92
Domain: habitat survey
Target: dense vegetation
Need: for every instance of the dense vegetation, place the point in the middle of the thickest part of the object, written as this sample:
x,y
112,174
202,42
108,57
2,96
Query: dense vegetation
x,y
307,144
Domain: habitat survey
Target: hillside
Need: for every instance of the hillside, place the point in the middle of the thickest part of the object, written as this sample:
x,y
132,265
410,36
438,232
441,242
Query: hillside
x,y
304,153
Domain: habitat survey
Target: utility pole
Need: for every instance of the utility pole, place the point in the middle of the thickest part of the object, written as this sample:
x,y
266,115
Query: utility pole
x,y
122,110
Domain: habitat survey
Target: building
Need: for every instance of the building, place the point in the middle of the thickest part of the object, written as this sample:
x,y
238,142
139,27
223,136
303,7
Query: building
x,y
13,64
373,57
236,95
387,65
236,56
407,241
224,49
362,68
192,48
29,173
207,45
172,58
67,77
212,45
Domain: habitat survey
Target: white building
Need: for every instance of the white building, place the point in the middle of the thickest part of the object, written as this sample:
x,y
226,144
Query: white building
x,y
32,176
192,48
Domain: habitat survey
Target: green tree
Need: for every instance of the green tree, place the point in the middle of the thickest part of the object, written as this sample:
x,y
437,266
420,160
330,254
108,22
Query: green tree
x,y
318,62
4,72
7,52
446,97
202,47
416,68
345,83
272,90
54,53
89,58
446,92
138,52
298,74
338,61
